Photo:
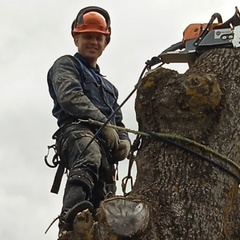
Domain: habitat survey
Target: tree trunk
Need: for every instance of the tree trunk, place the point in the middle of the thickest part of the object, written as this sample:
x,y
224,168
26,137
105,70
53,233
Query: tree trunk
x,y
190,197
183,190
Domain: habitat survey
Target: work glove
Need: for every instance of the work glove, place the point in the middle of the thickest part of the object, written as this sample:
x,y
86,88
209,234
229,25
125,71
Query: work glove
x,y
110,136
122,150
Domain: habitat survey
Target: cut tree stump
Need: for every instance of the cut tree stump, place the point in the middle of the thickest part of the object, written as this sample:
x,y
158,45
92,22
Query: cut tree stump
x,y
117,218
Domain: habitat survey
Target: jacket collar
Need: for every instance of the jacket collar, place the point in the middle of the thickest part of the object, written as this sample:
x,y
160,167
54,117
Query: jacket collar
x,y
86,63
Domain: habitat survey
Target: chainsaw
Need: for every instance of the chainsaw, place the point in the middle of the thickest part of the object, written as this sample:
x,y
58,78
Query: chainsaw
x,y
198,38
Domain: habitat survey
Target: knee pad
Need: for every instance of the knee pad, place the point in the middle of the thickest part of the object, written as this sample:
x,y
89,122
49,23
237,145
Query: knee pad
x,y
83,178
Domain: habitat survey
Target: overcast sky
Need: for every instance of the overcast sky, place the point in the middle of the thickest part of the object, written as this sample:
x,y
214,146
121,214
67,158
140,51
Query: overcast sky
x,y
33,35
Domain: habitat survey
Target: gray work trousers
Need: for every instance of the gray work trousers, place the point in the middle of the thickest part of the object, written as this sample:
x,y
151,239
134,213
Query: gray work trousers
x,y
89,170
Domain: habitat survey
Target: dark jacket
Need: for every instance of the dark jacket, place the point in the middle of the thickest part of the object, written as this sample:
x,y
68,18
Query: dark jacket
x,y
81,92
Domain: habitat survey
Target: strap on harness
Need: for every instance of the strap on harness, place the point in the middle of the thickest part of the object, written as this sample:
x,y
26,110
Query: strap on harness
x,y
56,162
58,178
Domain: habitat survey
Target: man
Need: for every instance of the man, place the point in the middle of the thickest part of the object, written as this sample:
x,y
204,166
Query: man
x,y
81,93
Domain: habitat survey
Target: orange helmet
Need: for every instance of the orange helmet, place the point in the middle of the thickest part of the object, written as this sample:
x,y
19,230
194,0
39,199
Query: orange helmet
x,y
92,19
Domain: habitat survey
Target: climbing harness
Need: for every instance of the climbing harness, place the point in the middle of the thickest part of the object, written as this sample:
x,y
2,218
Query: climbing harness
x,y
172,139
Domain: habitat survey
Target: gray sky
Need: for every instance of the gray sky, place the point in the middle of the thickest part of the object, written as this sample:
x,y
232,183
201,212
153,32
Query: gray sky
x,y
33,35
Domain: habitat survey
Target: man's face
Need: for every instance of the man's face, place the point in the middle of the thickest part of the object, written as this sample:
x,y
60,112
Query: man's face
x,y
90,45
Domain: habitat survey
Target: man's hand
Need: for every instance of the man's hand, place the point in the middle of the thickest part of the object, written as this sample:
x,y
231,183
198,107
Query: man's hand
x,y
111,137
122,150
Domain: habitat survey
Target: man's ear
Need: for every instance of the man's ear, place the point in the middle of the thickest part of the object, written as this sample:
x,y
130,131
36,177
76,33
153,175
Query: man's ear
x,y
105,47
106,43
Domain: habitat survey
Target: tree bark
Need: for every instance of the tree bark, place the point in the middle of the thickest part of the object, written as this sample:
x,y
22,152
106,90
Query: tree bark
x,y
191,198
185,191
